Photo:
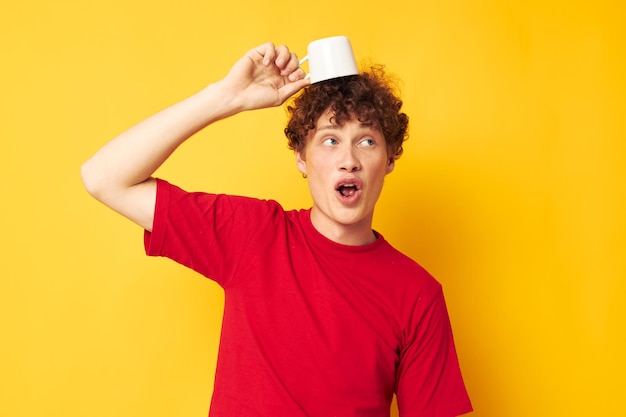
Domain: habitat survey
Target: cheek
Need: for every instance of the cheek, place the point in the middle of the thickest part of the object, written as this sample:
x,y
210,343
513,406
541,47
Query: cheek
x,y
321,163
390,166
379,174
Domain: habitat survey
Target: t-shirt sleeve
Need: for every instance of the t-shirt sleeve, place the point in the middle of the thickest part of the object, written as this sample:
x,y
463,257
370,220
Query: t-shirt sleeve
x,y
208,233
429,381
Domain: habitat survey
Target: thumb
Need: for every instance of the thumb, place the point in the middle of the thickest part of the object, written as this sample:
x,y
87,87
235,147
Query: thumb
x,y
291,88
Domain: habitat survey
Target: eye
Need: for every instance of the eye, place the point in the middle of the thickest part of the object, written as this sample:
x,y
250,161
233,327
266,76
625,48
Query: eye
x,y
367,142
330,141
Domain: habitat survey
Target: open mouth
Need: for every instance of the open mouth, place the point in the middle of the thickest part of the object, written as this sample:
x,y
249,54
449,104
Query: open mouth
x,y
347,190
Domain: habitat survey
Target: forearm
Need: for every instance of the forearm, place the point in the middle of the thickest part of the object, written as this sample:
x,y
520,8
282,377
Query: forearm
x,y
133,156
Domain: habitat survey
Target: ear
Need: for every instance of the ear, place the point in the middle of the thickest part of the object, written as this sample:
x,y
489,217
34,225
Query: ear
x,y
301,162
391,163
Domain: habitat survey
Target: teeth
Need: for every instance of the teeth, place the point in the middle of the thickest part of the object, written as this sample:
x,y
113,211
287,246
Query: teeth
x,y
347,190
350,186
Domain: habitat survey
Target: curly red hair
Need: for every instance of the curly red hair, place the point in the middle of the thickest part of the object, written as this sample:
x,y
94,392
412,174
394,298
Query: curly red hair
x,y
369,96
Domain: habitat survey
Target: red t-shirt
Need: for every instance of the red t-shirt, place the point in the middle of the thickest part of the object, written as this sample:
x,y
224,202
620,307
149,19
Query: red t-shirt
x,y
311,327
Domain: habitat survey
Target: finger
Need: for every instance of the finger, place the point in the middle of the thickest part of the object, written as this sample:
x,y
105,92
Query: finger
x,y
291,88
267,51
283,56
291,65
297,74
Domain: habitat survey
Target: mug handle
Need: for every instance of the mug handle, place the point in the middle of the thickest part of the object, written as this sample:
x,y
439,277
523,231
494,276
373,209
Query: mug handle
x,y
302,61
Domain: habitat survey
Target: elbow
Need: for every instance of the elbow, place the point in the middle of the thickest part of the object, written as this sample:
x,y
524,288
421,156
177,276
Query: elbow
x,y
90,179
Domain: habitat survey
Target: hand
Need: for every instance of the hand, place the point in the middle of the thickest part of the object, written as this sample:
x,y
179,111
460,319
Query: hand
x,y
266,76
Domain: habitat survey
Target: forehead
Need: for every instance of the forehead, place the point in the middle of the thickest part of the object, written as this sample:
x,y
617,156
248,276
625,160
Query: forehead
x,y
329,120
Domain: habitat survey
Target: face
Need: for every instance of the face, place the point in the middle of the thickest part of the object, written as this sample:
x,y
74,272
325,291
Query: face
x,y
345,166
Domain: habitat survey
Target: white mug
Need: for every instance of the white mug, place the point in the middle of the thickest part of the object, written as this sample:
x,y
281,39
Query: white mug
x,y
330,58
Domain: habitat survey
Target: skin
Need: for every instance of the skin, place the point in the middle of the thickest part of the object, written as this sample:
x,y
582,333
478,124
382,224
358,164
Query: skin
x,y
119,174
350,153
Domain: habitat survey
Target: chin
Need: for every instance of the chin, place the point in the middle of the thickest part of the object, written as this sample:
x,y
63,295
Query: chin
x,y
350,219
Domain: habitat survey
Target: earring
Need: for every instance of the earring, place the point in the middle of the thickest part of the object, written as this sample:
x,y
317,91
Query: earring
x,y
304,176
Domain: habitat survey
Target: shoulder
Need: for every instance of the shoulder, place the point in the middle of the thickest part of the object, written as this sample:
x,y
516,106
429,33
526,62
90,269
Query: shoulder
x,y
213,214
406,269
173,195
413,289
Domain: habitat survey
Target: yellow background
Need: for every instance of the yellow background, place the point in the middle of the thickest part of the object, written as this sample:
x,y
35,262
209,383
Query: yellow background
x,y
511,192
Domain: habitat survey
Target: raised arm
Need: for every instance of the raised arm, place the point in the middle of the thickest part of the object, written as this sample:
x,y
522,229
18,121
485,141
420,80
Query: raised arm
x,y
119,174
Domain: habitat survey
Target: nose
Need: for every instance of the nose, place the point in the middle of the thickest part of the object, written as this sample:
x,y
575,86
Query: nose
x,y
349,161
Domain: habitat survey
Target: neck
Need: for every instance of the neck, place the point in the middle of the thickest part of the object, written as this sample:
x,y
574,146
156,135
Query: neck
x,y
354,234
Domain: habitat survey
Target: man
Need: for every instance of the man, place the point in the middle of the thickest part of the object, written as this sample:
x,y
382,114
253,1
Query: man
x,y
322,316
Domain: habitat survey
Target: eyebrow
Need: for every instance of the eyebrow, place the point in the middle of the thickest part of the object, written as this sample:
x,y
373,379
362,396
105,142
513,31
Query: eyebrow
x,y
328,127
333,126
